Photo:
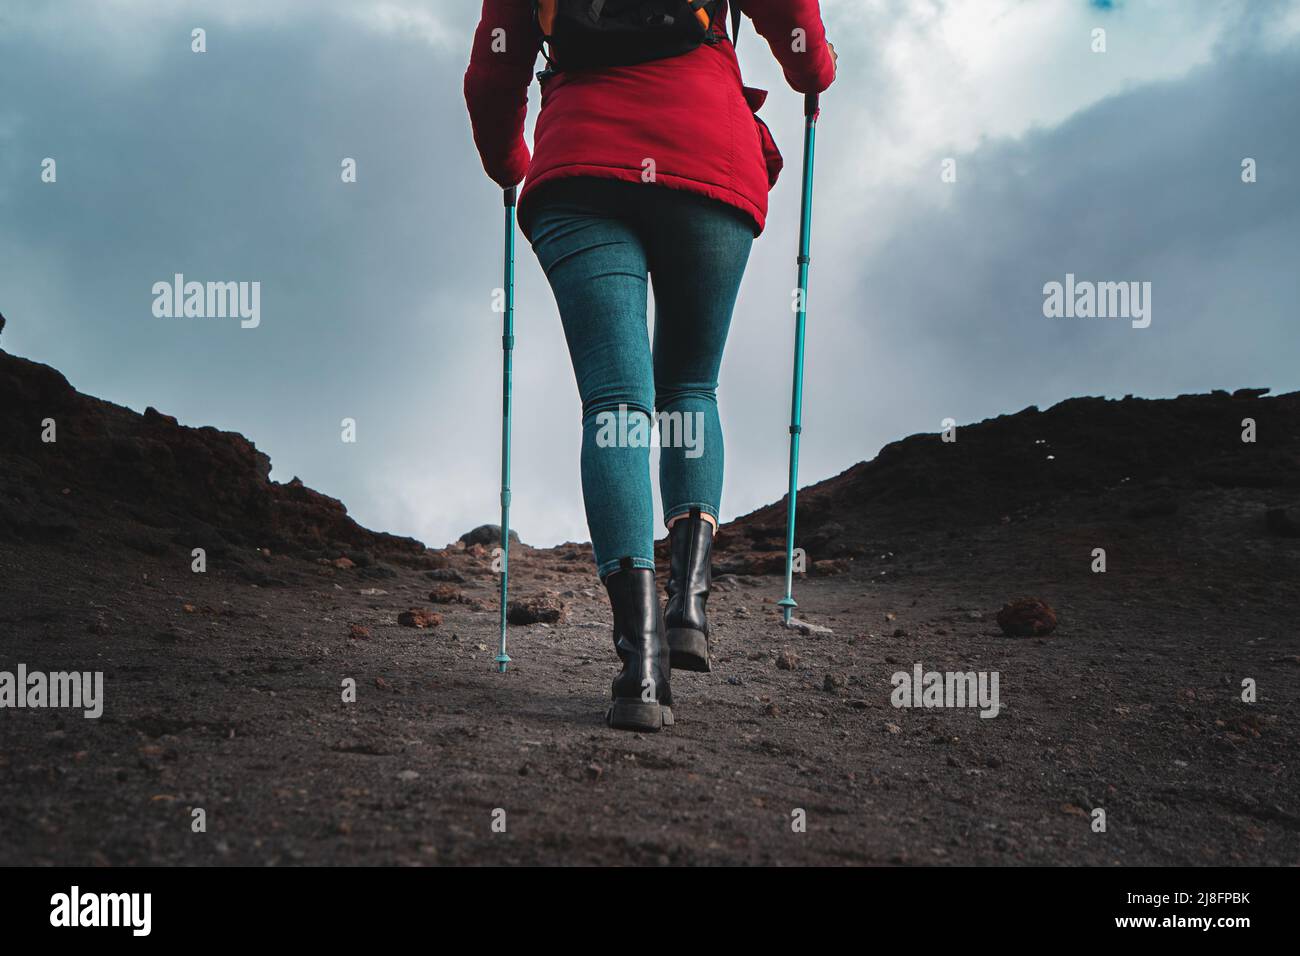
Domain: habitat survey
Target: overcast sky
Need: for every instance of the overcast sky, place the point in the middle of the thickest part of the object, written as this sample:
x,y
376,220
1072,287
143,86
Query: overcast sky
x,y
926,296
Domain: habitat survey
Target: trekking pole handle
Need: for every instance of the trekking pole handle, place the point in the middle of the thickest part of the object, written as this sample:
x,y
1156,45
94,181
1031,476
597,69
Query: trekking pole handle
x,y
810,104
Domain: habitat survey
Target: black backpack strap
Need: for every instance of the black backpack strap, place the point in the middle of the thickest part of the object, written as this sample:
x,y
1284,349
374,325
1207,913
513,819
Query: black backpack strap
x,y
735,21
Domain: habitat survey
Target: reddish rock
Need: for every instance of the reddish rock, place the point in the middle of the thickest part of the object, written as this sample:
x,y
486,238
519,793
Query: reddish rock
x,y
536,609
1027,617
359,633
419,617
787,660
445,594
344,563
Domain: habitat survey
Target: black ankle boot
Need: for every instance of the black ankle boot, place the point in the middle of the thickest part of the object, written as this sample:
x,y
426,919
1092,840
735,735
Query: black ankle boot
x,y
691,542
642,695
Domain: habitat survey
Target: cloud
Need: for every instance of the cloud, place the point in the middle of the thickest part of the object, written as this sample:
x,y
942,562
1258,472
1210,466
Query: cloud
x,y
925,298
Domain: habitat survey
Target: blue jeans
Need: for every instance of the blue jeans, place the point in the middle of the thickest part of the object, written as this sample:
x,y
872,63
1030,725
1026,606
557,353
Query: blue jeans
x,y
597,239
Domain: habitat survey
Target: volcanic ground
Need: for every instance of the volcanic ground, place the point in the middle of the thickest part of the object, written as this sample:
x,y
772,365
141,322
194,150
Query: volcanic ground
x,y
227,690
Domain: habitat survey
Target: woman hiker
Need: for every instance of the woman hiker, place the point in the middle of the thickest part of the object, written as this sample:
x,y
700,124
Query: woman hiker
x,y
648,161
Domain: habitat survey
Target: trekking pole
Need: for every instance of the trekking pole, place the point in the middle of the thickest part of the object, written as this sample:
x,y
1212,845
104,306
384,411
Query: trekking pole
x,y
507,350
810,110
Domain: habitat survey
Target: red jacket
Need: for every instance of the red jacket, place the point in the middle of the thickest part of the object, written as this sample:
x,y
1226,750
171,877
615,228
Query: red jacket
x,y
690,114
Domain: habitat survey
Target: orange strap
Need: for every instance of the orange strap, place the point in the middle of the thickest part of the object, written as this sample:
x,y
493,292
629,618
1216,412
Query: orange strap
x,y
546,16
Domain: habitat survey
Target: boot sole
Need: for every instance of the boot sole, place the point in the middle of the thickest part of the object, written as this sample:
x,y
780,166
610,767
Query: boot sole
x,y
631,714
688,650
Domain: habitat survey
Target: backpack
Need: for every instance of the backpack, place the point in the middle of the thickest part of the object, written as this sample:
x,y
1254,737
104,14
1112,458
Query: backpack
x,y
592,34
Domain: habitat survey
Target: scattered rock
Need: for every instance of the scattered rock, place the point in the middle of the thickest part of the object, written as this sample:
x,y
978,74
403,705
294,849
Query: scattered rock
x,y
536,609
787,660
833,683
487,535
359,633
406,776
344,564
808,629
1027,617
418,617
445,594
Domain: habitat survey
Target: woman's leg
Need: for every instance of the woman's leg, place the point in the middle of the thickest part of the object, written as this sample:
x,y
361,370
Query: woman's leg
x,y
596,265
697,250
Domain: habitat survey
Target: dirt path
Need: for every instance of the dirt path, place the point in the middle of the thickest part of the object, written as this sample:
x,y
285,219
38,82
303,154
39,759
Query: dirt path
x,y
1132,706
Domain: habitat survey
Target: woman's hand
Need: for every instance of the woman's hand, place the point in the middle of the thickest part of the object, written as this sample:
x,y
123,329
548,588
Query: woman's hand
x,y
835,57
